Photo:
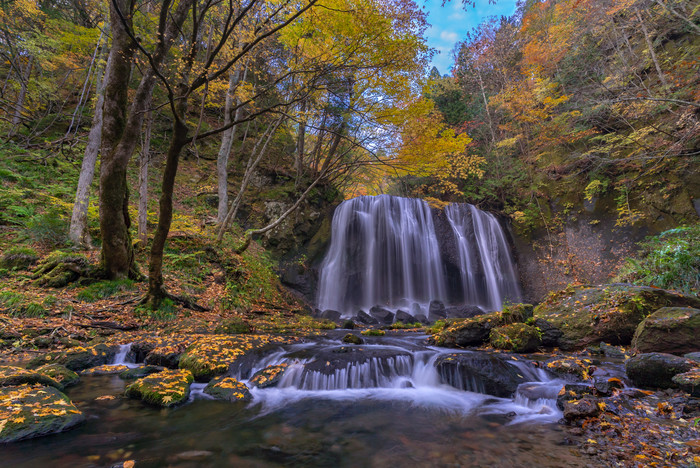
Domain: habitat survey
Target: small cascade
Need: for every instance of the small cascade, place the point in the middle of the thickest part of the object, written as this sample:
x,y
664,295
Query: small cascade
x,y
123,356
385,251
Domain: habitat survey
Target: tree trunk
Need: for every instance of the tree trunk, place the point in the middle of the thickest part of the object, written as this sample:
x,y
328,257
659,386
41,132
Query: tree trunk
x,y
227,142
19,104
156,292
144,161
650,47
78,232
301,136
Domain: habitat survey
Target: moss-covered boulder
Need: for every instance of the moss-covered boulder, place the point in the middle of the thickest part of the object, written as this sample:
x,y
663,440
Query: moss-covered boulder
x,y
141,371
29,411
13,376
61,374
689,382
656,370
516,337
166,389
78,358
19,258
475,331
269,376
609,313
570,368
105,370
228,389
673,330
212,355
351,338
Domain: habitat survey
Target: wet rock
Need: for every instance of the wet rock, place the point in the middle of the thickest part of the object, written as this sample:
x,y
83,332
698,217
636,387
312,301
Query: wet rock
x,y
105,370
352,339
33,411
78,358
436,311
61,374
404,317
672,330
605,387
608,313
366,319
516,337
693,356
465,311
269,377
656,370
572,392
549,334
348,325
689,382
535,391
382,315
194,455
578,409
166,389
332,315
212,355
570,367
141,371
13,376
228,389
467,332
479,372
615,352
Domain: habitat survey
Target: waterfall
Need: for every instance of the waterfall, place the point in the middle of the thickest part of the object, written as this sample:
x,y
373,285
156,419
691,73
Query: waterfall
x,y
384,251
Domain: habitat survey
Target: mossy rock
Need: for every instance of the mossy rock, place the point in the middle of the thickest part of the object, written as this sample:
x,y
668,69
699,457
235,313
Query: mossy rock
x,y
233,326
212,355
673,330
570,367
689,382
166,389
33,411
516,337
61,374
351,338
516,313
139,372
228,389
78,358
609,313
656,370
105,369
269,376
19,258
60,269
13,376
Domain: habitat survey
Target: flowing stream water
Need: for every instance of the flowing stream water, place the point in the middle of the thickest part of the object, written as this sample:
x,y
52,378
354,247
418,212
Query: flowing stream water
x,y
384,402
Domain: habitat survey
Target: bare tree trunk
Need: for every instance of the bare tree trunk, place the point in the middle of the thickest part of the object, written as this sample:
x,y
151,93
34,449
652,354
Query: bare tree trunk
x,y
227,141
650,47
78,232
86,88
486,106
250,168
19,104
301,136
144,162
685,19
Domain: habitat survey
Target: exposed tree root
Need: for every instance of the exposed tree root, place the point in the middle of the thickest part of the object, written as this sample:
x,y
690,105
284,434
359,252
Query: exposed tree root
x,y
153,301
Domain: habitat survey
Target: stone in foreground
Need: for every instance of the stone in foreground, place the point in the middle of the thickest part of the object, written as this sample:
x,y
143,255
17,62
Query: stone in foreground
x,y
78,358
269,376
656,370
61,374
12,376
228,389
33,411
689,382
673,330
166,389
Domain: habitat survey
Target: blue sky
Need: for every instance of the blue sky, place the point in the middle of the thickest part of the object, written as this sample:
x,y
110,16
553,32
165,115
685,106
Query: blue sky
x,y
451,22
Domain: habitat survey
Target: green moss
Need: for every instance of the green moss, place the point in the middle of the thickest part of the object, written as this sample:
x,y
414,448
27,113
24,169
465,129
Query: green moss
x,y
233,326
167,388
19,258
105,289
516,337
61,374
228,389
373,332
19,305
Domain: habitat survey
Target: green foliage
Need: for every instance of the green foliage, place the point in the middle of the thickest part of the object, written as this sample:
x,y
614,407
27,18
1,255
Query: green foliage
x,y
105,289
19,258
405,326
436,327
166,311
373,332
256,282
670,260
19,305
49,229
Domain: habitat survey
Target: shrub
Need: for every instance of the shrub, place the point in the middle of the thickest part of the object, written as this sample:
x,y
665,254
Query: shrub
x,y
670,260
49,229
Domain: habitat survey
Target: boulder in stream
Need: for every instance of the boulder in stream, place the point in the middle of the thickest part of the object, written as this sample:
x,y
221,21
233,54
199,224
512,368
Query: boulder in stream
x,y
61,374
13,376
78,358
351,338
29,411
516,337
479,372
166,389
269,376
382,315
673,330
365,319
689,382
228,389
436,311
656,370
404,317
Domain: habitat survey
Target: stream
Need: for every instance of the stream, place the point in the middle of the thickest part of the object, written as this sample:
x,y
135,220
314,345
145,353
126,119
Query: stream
x,y
381,403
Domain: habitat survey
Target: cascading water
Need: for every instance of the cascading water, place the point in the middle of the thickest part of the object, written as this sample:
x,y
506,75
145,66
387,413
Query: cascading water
x,y
385,251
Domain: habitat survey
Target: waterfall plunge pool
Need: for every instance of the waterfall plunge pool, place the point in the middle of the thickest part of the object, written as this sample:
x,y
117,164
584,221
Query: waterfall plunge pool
x,y
381,404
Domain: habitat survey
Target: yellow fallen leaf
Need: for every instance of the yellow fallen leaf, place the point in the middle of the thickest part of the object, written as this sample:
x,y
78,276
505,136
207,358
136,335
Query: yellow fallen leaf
x,y
129,464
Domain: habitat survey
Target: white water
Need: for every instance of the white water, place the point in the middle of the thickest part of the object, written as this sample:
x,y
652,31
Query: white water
x,y
385,251
121,358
